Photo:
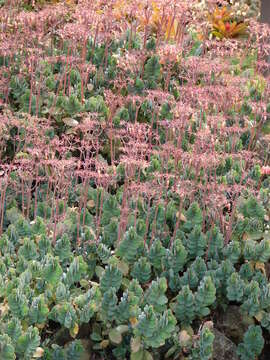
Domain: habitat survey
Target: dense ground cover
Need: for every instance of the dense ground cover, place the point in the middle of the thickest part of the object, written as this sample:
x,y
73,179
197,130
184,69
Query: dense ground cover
x,y
134,176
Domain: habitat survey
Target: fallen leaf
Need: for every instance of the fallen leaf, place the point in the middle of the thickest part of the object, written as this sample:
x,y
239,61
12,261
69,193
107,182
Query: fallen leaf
x,y
38,353
104,344
70,122
135,344
260,266
133,321
259,316
115,336
184,338
74,331
3,309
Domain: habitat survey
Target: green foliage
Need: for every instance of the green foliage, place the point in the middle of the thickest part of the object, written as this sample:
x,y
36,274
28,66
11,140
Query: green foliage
x,y
110,232
265,321
235,287
232,251
155,295
152,71
104,253
57,284
27,343
223,272
63,248
74,350
199,268
97,105
111,278
44,246
251,304
65,314
86,304
38,312
18,87
61,292
14,329
130,246
109,305
139,85
7,351
72,105
52,270
216,243
28,250
110,209
155,329
252,345
205,344
185,306
205,296
176,258
251,208
194,217
189,278
76,271
196,242
18,303
156,255
141,270
120,216
258,252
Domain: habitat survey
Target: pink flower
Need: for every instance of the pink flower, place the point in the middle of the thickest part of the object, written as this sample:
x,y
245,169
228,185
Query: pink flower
x,y
265,170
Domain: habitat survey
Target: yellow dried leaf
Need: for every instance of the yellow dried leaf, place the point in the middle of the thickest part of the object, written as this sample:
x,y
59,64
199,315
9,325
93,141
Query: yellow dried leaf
x,y
123,267
259,316
104,344
209,325
40,326
90,204
183,218
260,266
74,331
184,338
3,309
38,353
133,321
135,344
